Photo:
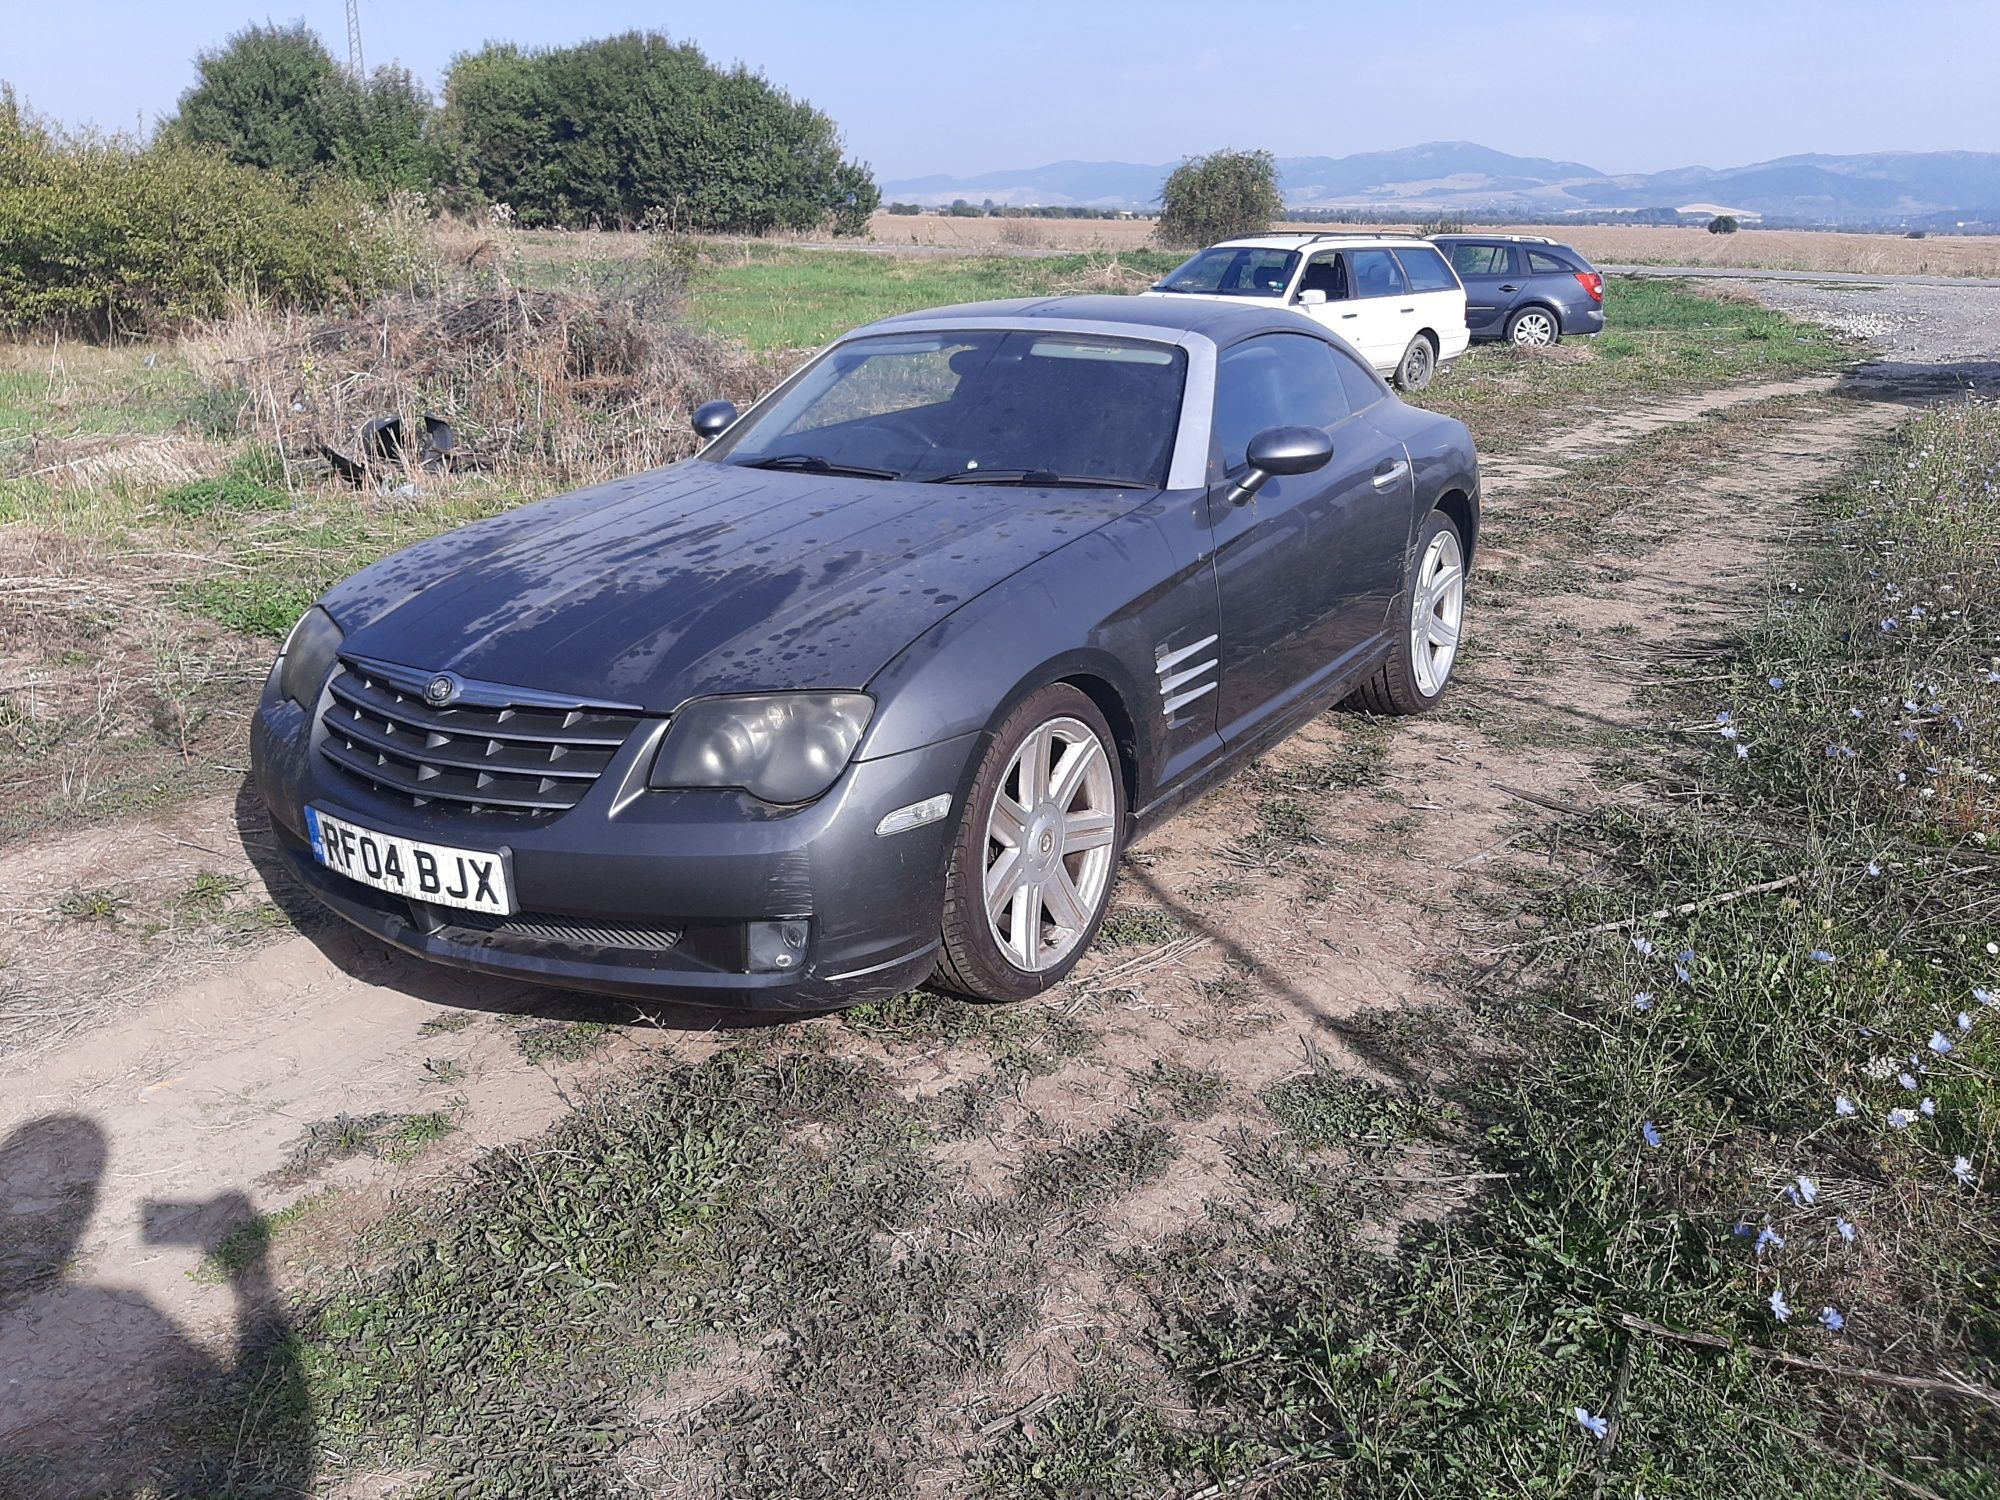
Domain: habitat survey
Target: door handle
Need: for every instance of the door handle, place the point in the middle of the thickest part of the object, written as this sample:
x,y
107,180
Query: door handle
x,y
1350,315
1510,289
1390,474
1409,309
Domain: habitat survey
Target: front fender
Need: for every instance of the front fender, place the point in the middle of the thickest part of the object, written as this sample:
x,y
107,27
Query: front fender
x,y
1097,609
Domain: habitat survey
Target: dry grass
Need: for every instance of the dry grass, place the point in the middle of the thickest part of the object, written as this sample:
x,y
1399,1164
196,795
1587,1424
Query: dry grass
x,y
559,386
1758,249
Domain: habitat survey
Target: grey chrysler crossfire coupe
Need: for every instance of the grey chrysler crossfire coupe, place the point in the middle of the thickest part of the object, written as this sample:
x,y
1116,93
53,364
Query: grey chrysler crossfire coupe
x,y
874,689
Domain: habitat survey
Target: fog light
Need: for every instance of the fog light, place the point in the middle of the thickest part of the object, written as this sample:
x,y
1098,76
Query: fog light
x,y
778,947
915,815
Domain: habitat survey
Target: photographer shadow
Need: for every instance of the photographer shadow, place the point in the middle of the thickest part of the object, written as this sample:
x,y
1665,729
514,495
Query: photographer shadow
x,y
104,1394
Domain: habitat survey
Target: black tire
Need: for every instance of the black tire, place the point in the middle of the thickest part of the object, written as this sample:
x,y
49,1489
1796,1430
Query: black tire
x,y
972,962
1534,327
1418,366
1398,687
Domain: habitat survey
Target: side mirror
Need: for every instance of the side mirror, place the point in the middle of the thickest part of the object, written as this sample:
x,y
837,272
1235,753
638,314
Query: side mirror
x,y
1312,297
1281,450
713,419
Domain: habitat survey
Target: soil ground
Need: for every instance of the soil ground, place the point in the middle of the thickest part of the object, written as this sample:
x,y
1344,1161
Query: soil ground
x,y
266,1059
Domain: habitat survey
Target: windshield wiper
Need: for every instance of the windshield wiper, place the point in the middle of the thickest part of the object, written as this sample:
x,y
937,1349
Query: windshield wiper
x,y
812,463
1040,478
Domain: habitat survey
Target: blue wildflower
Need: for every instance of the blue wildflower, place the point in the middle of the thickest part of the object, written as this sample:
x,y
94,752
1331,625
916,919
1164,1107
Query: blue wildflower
x,y
1847,1231
1769,1239
1681,966
1776,682
1964,1021
1643,1001
1780,1308
1831,1319
1961,1168
1643,948
1842,1105
1651,1132
1597,1427
1808,1191
1940,1043
1901,1119
1821,956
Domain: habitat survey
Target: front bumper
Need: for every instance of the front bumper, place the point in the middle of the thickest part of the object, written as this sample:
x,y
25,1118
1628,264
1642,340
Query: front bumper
x,y
689,871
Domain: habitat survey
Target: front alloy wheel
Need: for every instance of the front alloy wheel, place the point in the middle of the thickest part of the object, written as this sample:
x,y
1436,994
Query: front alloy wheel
x,y
1037,846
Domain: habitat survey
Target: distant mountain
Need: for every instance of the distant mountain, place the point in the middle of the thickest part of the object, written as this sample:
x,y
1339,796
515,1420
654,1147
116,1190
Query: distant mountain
x,y
1460,177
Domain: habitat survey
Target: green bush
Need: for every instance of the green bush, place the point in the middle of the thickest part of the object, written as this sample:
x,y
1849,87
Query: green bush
x,y
107,239
1214,197
612,131
274,97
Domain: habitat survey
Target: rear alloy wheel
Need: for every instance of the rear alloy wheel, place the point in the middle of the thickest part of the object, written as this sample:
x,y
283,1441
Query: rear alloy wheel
x,y
1420,663
1038,843
1534,328
1418,364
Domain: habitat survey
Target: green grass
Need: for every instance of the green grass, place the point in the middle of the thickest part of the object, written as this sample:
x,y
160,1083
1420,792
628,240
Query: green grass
x,y
778,298
255,481
1316,1364
1662,337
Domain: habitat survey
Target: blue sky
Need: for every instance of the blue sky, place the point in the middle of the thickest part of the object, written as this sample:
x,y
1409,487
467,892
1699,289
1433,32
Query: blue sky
x,y
965,86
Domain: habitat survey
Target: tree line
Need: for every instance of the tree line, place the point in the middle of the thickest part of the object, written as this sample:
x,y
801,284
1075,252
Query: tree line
x,y
624,130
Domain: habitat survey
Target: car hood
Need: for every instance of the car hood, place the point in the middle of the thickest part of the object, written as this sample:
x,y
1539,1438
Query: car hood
x,y
704,578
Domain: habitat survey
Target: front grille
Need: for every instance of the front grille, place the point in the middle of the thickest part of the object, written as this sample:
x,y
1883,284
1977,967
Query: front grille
x,y
537,755
637,936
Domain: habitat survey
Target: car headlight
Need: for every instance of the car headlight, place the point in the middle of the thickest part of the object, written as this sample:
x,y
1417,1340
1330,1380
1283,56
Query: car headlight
x,y
782,747
308,657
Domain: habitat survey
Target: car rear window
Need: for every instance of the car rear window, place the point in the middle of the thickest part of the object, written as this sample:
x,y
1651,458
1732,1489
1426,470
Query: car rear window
x,y
1427,271
1541,263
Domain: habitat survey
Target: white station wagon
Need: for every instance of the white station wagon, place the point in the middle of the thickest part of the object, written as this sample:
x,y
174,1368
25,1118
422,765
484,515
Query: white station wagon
x,y
1393,297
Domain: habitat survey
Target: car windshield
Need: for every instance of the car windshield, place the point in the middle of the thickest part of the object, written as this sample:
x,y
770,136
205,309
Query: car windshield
x,y
1233,271
994,406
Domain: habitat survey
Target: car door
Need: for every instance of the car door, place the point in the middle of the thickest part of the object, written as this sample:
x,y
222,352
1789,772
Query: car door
x,y
1437,296
1335,308
1387,314
1300,569
1491,284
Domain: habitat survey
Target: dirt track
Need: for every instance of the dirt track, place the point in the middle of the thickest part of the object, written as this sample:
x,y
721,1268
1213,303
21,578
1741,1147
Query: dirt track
x,y
205,1075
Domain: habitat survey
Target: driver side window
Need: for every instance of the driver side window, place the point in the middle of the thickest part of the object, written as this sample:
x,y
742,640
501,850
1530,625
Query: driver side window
x,y
1274,380
1326,273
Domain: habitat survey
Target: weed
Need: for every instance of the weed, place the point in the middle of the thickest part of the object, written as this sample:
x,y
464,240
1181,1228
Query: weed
x,y
1327,1108
1186,1092
561,1041
206,897
91,906
1137,927
243,1245
1096,1168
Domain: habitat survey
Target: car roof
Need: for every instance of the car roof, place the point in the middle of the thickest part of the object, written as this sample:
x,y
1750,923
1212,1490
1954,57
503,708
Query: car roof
x,y
1512,239
1161,319
1299,239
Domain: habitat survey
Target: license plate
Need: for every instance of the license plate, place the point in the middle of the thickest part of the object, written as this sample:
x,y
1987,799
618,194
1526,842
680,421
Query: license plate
x,y
475,879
